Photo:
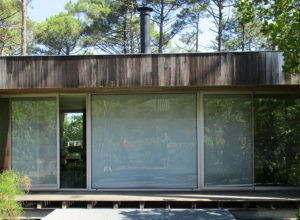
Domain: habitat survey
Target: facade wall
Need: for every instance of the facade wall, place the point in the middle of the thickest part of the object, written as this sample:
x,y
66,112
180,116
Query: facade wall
x,y
144,71
179,141
155,122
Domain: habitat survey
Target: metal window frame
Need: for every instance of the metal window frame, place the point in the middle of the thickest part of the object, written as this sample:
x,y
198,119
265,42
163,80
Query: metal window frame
x,y
89,141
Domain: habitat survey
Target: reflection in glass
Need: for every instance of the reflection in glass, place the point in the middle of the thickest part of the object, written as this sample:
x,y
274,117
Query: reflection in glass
x,y
34,144
227,140
277,140
144,141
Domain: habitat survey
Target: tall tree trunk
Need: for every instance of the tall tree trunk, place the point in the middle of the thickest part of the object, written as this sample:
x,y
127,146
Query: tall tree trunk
x,y
197,35
24,29
131,26
249,44
3,43
2,49
274,46
125,36
243,36
220,28
161,30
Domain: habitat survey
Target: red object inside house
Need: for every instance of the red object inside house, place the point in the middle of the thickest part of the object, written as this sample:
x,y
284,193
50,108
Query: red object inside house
x,y
126,144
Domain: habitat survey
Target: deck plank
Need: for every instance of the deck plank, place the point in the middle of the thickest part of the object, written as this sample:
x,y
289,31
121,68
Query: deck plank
x,y
276,196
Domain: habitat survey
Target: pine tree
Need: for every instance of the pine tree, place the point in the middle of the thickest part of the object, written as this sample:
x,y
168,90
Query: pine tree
x,y
188,20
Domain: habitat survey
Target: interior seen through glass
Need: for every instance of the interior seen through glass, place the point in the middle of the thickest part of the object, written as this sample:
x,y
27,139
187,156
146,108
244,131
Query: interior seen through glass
x,y
144,141
72,144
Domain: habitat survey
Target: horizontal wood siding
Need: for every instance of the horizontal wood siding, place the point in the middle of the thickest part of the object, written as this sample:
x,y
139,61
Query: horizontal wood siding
x,y
143,71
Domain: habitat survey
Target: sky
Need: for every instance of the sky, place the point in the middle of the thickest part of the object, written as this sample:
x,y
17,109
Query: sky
x,y
39,10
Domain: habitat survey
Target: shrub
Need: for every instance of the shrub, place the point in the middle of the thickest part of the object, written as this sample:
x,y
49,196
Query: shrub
x,y
298,214
12,184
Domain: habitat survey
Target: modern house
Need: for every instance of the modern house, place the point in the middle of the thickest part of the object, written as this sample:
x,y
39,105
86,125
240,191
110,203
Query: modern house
x,y
187,122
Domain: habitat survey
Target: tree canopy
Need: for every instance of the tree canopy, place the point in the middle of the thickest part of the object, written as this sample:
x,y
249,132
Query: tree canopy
x,y
60,34
281,24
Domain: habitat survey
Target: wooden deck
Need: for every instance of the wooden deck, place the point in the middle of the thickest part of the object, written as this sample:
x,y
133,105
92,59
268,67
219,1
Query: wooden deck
x,y
265,196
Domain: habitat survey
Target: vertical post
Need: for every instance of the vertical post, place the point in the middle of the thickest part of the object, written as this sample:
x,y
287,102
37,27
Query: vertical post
x,y
145,28
142,204
57,143
88,142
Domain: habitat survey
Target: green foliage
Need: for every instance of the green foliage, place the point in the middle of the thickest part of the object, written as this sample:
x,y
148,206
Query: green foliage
x,y
90,10
72,129
188,19
298,214
216,11
113,27
277,140
12,184
110,27
281,23
73,172
227,130
10,29
33,134
59,35
242,34
164,15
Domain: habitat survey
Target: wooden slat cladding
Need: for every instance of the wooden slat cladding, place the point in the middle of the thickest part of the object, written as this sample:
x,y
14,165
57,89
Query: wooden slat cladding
x,y
143,71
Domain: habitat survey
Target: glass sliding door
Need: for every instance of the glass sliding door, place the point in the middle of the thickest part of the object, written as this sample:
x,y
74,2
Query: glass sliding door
x,y
277,140
34,139
228,140
144,141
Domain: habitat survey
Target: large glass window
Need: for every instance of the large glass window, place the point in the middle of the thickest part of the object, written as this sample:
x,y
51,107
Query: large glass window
x,y
144,141
228,140
277,140
34,139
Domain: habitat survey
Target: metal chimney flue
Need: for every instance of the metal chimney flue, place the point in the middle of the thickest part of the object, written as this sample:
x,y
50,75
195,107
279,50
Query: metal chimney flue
x,y
145,28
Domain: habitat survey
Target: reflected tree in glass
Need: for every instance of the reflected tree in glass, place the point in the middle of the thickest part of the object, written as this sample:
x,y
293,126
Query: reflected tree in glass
x,y
34,139
227,140
277,140
144,141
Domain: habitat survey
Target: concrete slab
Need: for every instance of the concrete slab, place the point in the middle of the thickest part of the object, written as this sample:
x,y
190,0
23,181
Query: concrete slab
x,y
36,213
139,214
